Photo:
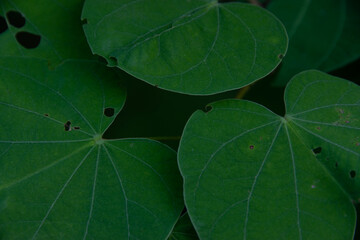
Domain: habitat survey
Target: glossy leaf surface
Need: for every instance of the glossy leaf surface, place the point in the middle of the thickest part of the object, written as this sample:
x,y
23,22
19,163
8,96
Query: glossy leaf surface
x,y
197,47
58,177
250,173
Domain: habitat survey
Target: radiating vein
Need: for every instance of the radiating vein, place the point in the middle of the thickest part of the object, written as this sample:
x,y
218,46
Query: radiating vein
x,y
144,163
255,180
93,193
55,92
4,186
60,193
122,189
327,140
223,145
325,124
327,106
295,182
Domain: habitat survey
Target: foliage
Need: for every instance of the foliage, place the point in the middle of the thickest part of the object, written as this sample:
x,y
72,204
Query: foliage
x,y
84,137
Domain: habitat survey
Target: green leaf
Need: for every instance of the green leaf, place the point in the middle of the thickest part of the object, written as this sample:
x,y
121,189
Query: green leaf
x,y
194,47
183,229
250,173
317,30
58,177
347,48
52,28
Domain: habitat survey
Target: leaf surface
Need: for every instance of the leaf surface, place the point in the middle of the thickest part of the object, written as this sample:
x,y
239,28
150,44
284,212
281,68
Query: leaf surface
x,y
249,173
58,177
194,47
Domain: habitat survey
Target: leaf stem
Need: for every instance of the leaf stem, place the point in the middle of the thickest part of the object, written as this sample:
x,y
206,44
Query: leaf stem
x,y
242,92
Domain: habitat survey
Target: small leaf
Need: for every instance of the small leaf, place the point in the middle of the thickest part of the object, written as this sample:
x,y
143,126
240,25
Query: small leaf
x,y
59,178
194,47
249,173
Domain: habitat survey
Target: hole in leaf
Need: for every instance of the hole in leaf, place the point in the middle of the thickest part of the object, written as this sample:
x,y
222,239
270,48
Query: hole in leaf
x,y
251,147
46,114
3,25
336,164
76,128
352,173
317,150
67,126
28,40
15,18
281,56
109,112
84,21
208,109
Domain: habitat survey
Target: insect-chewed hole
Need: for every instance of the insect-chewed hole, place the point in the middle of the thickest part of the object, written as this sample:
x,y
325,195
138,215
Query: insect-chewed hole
x,y
208,109
251,147
3,24
280,56
317,150
84,21
15,18
112,61
28,40
352,173
67,126
109,112
46,114
76,128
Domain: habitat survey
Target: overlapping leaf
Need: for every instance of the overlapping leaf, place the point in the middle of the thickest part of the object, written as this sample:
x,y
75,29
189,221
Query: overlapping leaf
x,y
197,47
250,174
58,177
322,34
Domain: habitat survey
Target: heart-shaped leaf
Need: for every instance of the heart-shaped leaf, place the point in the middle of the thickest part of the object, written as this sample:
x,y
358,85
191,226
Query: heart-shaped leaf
x,y
43,29
322,34
197,47
58,178
251,174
